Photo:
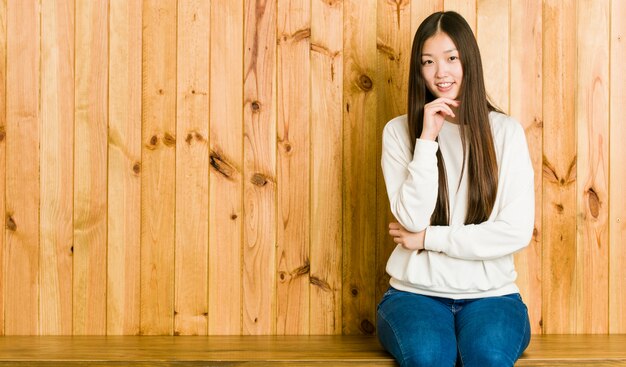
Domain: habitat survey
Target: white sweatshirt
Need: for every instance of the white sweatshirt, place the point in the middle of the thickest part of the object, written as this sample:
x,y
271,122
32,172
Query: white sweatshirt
x,y
461,261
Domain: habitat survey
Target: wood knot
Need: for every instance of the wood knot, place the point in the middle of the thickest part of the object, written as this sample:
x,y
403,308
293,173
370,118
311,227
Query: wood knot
x,y
152,144
3,133
535,232
559,207
320,283
282,276
259,179
169,140
233,216
354,292
161,91
365,83
594,202
137,167
220,165
11,225
193,135
256,106
367,327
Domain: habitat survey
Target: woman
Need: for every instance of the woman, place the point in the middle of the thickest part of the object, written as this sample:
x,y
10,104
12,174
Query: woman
x,y
460,184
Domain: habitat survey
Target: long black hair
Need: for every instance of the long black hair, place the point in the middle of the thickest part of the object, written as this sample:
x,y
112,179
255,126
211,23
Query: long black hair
x,y
473,117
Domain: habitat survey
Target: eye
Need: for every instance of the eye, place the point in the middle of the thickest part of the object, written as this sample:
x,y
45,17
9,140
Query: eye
x,y
427,62
453,58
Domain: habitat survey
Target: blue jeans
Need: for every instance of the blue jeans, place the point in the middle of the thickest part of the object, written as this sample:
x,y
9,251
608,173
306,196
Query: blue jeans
x,y
431,331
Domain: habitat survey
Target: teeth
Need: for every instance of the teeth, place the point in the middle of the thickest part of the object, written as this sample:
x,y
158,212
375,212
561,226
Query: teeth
x,y
444,85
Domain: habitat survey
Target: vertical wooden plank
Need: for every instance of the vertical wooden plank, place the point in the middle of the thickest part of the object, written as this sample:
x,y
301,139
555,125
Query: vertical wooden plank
x,y
420,9
158,156
192,169
124,172
617,210
559,167
525,105
492,34
3,127
592,117
467,8
259,234
90,168
393,58
326,166
359,223
21,269
226,159
294,105
57,159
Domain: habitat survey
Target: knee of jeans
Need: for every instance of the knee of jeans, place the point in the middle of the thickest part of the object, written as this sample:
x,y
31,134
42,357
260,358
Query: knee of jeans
x,y
489,358
422,357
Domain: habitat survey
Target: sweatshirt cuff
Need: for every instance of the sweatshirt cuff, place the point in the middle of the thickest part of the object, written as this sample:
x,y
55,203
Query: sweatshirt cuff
x,y
436,238
424,146
425,154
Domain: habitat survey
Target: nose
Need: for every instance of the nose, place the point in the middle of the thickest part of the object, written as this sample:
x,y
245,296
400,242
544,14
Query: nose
x,y
441,70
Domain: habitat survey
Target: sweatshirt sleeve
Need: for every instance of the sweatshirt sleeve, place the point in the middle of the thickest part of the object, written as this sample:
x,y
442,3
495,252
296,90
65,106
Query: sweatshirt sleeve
x,y
511,228
411,180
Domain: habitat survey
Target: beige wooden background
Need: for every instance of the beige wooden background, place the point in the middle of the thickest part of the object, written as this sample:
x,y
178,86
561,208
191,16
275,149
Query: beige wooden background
x,y
212,167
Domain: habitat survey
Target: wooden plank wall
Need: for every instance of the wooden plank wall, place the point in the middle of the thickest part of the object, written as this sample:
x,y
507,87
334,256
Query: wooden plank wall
x,y
187,167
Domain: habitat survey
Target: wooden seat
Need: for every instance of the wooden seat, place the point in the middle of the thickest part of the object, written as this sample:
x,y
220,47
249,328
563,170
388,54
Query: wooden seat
x,y
553,350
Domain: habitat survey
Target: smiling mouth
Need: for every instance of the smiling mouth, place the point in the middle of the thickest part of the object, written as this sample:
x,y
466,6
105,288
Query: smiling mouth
x,y
444,85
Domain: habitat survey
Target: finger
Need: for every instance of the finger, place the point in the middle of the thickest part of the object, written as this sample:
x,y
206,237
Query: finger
x,y
449,101
394,225
394,232
441,108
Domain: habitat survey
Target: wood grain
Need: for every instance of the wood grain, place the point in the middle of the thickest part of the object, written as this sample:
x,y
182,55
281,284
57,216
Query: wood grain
x,y
544,350
23,120
326,166
592,118
493,38
124,172
90,168
559,167
293,183
158,176
393,43
57,168
3,134
259,117
192,169
359,133
617,159
526,106
226,160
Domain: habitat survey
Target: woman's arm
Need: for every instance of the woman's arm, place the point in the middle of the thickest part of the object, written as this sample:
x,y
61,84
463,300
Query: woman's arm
x,y
512,227
411,180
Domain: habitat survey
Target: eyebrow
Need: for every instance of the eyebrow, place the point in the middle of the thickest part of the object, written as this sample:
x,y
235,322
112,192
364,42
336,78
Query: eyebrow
x,y
448,51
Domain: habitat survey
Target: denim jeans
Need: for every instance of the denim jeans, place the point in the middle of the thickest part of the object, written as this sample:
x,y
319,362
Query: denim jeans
x,y
431,331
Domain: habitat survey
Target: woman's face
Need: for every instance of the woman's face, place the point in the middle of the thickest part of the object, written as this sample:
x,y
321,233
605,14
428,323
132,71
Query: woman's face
x,y
441,66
